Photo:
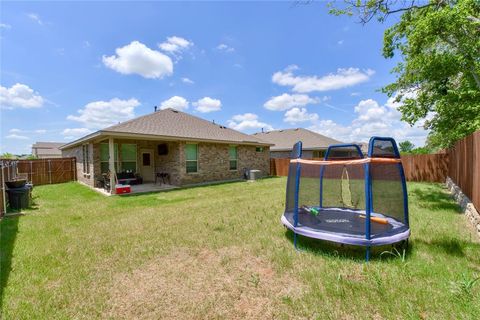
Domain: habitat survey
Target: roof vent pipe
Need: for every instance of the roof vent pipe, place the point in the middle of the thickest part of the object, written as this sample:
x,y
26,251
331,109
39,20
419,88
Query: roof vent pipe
x,y
155,109
262,130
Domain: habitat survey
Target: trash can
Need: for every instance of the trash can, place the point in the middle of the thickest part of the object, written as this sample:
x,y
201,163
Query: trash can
x,y
19,198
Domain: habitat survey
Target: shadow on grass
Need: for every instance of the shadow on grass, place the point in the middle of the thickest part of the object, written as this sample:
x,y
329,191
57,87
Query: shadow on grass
x,y
357,253
8,234
450,246
434,199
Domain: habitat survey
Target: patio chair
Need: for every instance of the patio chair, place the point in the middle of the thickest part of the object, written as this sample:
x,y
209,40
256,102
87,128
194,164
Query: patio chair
x,y
163,177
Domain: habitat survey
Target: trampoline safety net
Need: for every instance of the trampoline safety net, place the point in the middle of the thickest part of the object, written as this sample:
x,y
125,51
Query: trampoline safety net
x,y
336,195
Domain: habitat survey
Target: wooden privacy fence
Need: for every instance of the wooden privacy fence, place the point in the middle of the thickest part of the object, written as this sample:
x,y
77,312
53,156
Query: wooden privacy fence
x,y
39,171
464,167
425,167
461,163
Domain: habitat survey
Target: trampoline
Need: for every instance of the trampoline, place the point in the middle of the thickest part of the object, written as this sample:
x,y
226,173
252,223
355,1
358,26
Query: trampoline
x,y
348,198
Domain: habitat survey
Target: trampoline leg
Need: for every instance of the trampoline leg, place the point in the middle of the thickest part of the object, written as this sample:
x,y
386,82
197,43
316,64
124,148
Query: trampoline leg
x,y
295,240
367,254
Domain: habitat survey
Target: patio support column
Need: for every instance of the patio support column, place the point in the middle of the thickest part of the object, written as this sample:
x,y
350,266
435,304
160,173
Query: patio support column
x,y
111,164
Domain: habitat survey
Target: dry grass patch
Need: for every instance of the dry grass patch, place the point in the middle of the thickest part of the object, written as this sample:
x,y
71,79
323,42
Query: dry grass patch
x,y
227,283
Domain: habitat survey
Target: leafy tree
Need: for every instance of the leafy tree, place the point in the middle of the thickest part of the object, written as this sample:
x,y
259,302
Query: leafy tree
x,y
422,150
438,80
7,155
406,146
31,157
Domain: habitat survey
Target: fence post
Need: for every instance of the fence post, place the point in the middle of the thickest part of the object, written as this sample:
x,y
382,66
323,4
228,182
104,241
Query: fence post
x,y
31,172
4,205
49,172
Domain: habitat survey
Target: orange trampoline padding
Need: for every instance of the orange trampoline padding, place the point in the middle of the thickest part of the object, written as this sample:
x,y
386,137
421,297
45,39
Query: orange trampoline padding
x,y
347,162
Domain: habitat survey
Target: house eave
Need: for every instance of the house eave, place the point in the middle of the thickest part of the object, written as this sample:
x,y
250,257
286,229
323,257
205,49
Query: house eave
x,y
303,148
129,135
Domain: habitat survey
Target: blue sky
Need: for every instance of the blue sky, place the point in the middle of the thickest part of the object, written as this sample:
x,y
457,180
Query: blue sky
x,y
72,68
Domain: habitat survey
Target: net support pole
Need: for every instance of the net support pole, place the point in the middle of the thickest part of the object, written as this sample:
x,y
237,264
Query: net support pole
x,y
296,154
322,168
405,195
295,210
368,207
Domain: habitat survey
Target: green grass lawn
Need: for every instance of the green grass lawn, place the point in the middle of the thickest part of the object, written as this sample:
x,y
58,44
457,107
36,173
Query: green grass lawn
x,y
221,252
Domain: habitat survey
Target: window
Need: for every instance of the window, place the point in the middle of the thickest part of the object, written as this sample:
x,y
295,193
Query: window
x,y
104,155
232,156
146,159
318,153
127,160
191,154
259,149
86,162
128,156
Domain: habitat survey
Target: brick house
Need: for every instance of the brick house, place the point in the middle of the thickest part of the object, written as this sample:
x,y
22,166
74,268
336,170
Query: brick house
x,y
45,150
314,144
190,149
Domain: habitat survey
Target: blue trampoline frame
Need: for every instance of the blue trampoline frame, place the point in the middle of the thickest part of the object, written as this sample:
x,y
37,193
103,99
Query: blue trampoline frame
x,y
297,154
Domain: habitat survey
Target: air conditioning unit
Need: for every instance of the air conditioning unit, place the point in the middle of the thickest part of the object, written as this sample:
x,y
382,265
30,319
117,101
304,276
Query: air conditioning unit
x,y
254,174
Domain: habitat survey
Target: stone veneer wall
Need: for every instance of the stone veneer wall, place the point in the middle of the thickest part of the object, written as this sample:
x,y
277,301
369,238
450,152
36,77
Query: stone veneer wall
x,y
77,152
467,206
213,161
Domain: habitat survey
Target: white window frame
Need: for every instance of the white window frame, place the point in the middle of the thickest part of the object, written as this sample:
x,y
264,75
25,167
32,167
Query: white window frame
x,y
236,157
86,159
121,161
196,161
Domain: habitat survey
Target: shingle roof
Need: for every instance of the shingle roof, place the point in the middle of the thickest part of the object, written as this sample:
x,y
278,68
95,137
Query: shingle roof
x,y
47,148
47,145
177,125
284,140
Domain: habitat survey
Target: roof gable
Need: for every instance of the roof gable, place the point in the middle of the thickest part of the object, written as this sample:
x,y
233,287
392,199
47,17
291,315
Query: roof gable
x,y
176,125
284,140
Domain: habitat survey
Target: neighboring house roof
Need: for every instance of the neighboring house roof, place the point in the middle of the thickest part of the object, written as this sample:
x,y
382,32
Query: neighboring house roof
x,y
47,148
170,124
284,140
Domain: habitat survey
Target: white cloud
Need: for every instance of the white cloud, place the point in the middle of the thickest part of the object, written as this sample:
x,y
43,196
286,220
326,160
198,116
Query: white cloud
x,y
20,96
35,17
287,101
37,131
101,114
137,58
373,119
175,102
17,137
207,104
5,26
341,79
174,45
247,122
224,47
187,80
75,132
296,115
